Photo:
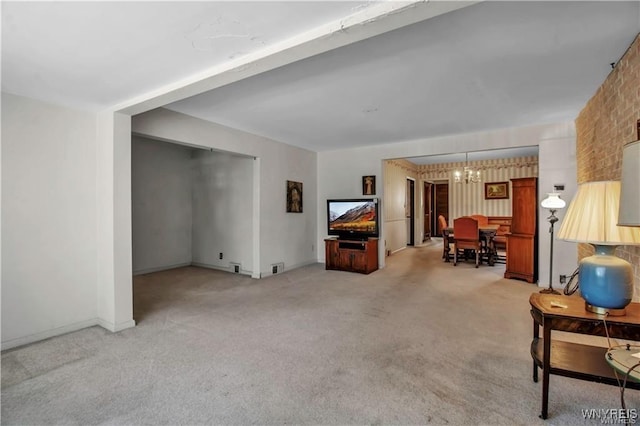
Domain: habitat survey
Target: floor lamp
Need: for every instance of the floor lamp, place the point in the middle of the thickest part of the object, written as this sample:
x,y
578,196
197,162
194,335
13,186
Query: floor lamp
x,y
553,202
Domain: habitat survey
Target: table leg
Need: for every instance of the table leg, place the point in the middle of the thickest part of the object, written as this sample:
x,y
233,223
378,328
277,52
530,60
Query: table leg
x,y
546,368
536,336
447,248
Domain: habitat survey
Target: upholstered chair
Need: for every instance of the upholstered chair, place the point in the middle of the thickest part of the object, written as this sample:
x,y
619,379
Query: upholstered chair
x,y
467,237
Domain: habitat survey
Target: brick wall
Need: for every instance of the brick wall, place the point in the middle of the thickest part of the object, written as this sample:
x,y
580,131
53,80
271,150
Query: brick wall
x,y
606,123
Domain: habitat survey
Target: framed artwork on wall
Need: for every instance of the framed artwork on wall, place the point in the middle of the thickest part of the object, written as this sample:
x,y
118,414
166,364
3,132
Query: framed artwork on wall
x,y
368,185
496,190
294,197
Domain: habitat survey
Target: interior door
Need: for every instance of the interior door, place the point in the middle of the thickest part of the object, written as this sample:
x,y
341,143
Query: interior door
x,y
441,202
410,211
428,186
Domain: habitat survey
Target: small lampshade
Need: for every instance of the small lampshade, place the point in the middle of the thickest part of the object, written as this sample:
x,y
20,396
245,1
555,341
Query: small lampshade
x,y
553,201
592,216
606,281
630,192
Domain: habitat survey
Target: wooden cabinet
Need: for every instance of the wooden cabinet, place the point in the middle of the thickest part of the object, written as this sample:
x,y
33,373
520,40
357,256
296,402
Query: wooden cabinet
x,y
351,255
522,241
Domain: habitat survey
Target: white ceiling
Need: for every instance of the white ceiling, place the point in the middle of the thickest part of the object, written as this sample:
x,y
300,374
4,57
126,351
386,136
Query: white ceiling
x,y
96,54
489,65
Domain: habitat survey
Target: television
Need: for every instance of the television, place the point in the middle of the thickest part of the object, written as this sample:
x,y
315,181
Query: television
x,y
353,218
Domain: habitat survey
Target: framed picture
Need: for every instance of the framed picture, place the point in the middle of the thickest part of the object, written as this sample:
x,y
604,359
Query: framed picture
x,y
294,197
496,190
368,185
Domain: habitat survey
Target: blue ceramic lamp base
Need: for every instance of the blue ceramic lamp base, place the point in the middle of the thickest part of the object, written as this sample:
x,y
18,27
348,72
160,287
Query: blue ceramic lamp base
x,y
606,282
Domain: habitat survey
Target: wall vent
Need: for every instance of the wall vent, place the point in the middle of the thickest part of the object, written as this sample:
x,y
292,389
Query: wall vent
x,y
277,268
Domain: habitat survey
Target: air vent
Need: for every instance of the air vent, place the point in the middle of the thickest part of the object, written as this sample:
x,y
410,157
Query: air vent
x,y
277,268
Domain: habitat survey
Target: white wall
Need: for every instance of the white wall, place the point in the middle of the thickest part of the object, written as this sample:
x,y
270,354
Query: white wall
x,y
395,206
222,210
48,220
558,165
161,205
283,237
340,172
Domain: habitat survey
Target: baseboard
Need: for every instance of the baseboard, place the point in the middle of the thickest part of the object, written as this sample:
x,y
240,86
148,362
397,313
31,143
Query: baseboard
x,y
114,328
160,268
36,337
221,268
265,274
398,250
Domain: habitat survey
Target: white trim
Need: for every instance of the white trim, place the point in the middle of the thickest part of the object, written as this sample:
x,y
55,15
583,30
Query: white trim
x,y
32,338
114,328
266,274
400,249
221,268
160,268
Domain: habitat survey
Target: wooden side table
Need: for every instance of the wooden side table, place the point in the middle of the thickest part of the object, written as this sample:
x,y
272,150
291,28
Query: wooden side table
x,y
571,359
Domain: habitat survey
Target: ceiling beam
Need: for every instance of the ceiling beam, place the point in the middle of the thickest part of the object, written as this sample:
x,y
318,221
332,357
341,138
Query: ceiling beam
x,y
369,22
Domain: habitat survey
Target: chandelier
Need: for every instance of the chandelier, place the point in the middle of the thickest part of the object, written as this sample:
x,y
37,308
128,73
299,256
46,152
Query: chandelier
x,y
468,174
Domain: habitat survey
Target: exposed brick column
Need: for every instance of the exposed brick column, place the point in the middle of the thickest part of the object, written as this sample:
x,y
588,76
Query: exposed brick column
x,y
607,122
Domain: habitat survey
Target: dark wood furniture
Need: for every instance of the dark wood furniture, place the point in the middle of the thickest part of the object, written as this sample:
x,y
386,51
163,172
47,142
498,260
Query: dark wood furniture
x,y
575,360
504,223
442,228
522,241
500,239
467,237
487,233
351,255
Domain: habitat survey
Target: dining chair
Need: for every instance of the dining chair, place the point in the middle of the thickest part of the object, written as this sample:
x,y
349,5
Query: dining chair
x,y
467,237
500,244
446,237
482,219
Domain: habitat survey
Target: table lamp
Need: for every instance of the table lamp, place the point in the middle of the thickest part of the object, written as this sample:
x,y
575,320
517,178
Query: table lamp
x,y
553,202
606,281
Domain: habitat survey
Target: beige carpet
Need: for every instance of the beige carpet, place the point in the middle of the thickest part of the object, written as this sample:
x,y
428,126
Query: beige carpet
x,y
419,342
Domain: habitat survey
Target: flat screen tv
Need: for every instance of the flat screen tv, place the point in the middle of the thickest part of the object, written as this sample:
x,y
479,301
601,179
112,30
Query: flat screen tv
x,y
353,218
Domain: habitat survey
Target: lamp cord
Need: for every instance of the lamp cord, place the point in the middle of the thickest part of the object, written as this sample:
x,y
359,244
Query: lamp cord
x,y
569,289
622,385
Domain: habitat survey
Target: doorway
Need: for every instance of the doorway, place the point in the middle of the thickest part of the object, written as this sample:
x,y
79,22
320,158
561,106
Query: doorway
x,y
410,211
427,218
440,200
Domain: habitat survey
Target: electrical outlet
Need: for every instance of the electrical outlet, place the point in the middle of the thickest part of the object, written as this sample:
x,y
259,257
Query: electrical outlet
x,y
236,268
274,269
563,279
220,255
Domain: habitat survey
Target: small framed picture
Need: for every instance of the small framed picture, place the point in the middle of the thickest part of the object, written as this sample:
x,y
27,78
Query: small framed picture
x,y
368,185
294,197
496,190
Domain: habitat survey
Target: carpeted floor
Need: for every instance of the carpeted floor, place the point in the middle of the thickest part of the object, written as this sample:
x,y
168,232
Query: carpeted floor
x,y
418,342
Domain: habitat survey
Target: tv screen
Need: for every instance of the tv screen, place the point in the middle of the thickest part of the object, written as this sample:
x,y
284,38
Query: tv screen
x,y
353,218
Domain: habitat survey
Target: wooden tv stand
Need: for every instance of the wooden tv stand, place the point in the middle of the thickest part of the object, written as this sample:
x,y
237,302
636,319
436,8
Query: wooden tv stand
x,y
351,255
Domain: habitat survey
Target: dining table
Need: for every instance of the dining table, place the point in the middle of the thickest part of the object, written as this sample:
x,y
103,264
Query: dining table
x,y
487,232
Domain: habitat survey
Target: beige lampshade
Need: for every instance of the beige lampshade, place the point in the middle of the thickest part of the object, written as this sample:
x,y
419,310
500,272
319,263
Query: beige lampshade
x,y
592,217
630,191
